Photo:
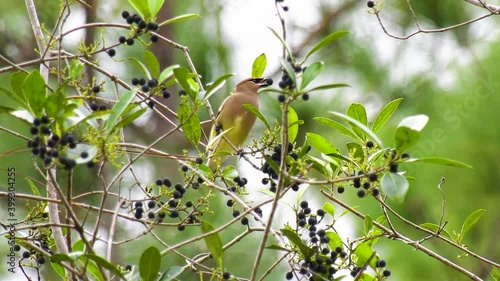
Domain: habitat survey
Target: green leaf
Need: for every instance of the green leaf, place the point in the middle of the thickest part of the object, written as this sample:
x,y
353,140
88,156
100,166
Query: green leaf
x,y
281,40
59,269
277,248
182,76
106,264
495,274
17,82
356,151
19,100
149,264
257,113
363,251
167,72
337,126
361,126
34,189
180,18
329,208
118,109
213,242
394,186
470,222
55,104
408,132
216,85
4,109
326,41
190,122
311,72
295,239
385,114
289,69
78,246
65,257
440,161
154,7
335,240
75,69
34,92
434,227
152,63
321,143
293,126
172,273
358,112
129,118
368,224
141,66
327,87
259,66
94,271
141,7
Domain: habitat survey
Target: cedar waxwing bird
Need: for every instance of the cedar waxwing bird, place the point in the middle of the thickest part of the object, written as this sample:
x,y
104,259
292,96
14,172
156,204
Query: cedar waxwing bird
x,y
234,120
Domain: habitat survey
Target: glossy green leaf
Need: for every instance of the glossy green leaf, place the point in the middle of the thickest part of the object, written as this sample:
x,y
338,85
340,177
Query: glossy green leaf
x,y
282,41
368,224
34,92
358,112
152,63
172,273
190,122
361,126
94,271
167,73
59,269
180,18
118,109
182,76
470,222
259,66
335,240
440,161
356,151
142,8
327,87
435,228
149,264
75,69
408,132
141,66
326,41
293,126
337,126
129,118
385,114
289,69
295,239
213,242
257,113
395,186
319,165
311,72
363,251
329,208
277,248
154,8
55,104
102,262
321,143
216,85
17,82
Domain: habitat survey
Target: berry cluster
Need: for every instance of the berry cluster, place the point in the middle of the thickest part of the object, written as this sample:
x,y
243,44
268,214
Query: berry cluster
x,y
275,157
47,145
140,26
286,82
40,238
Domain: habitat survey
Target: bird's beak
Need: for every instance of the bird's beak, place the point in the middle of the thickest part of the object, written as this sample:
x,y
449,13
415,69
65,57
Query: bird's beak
x,y
264,82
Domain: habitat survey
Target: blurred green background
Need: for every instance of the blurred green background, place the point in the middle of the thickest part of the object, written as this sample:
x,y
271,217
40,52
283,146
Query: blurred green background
x,y
453,77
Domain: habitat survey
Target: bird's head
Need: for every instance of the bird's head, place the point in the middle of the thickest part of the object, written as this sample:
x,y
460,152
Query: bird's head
x,y
253,84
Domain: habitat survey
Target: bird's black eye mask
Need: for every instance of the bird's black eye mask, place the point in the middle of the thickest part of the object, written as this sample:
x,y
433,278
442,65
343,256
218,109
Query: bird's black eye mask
x,y
263,82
